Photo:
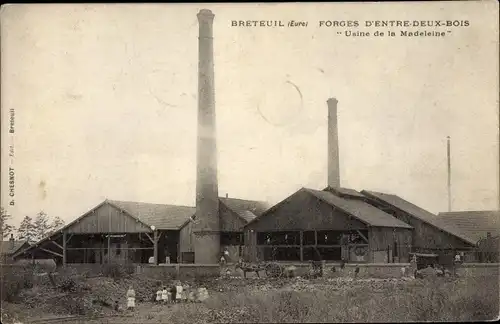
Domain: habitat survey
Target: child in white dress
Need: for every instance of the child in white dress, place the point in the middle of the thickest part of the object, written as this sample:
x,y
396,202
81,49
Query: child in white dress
x,y
158,296
164,295
130,298
179,292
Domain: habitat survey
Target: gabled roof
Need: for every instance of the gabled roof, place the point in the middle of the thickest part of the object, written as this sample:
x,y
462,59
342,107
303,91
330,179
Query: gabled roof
x,y
173,217
246,209
9,247
359,209
415,211
473,225
162,216
345,192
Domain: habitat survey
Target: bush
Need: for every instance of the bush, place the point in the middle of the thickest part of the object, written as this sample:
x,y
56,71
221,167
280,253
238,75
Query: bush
x,y
76,305
67,284
14,279
117,271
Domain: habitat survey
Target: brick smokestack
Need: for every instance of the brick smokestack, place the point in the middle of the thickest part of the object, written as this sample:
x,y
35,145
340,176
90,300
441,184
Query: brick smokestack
x,y
333,145
206,228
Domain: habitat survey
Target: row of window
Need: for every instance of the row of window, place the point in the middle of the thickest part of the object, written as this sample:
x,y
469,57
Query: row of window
x,y
293,238
310,237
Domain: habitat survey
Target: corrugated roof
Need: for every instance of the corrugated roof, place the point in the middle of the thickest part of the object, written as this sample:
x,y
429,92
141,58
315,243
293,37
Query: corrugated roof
x,y
246,208
8,248
473,225
359,209
247,215
345,192
170,217
416,212
165,217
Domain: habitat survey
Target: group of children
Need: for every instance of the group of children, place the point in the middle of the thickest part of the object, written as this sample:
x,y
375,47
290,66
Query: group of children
x,y
179,293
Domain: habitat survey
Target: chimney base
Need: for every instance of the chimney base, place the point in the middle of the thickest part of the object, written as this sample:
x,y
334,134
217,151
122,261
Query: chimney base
x,y
206,247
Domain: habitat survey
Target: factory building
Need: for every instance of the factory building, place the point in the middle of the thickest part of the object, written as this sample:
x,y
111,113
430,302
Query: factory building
x,y
472,226
136,232
332,224
329,225
429,235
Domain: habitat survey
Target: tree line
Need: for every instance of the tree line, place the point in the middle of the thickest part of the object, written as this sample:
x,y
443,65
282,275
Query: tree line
x,y
31,229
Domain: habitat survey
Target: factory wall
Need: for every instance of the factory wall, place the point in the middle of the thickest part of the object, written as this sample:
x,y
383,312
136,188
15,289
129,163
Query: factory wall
x,y
106,218
186,243
424,235
389,244
302,211
229,220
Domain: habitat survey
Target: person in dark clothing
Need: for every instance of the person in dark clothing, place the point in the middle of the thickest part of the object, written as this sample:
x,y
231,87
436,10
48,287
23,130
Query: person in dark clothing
x,y
173,291
317,263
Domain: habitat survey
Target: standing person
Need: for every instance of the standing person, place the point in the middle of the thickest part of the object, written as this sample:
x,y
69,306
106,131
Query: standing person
x,y
164,295
159,295
173,293
185,292
344,248
130,298
226,255
178,294
222,262
456,262
413,266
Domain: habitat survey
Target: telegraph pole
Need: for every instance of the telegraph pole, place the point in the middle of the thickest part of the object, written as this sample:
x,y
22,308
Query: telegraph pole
x,y
448,149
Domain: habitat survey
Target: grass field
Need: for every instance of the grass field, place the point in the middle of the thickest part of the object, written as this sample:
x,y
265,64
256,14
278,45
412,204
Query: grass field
x,y
273,300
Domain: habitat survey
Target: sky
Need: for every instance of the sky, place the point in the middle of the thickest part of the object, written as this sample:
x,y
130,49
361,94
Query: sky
x,y
105,104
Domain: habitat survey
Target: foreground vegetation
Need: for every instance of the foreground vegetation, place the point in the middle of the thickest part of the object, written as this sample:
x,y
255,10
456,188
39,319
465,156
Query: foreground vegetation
x,y
430,300
258,300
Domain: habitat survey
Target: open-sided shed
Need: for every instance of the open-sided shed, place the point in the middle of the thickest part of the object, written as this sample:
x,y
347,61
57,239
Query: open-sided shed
x,y
138,232
332,225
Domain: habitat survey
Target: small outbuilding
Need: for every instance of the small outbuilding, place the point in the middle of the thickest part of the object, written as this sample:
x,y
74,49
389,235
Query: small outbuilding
x,y
430,235
11,247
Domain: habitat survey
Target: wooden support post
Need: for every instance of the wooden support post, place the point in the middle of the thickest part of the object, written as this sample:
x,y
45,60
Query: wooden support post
x,y
155,242
315,237
301,246
109,248
64,249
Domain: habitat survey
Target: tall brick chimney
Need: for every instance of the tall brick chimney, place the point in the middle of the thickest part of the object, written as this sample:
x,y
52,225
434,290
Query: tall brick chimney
x,y
333,145
206,230
11,242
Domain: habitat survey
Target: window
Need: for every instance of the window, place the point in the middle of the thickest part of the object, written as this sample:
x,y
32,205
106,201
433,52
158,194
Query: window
x,y
355,238
329,237
263,238
308,238
278,238
187,257
231,238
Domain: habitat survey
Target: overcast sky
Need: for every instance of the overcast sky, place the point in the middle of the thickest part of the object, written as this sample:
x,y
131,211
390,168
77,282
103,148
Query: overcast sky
x,y
105,100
